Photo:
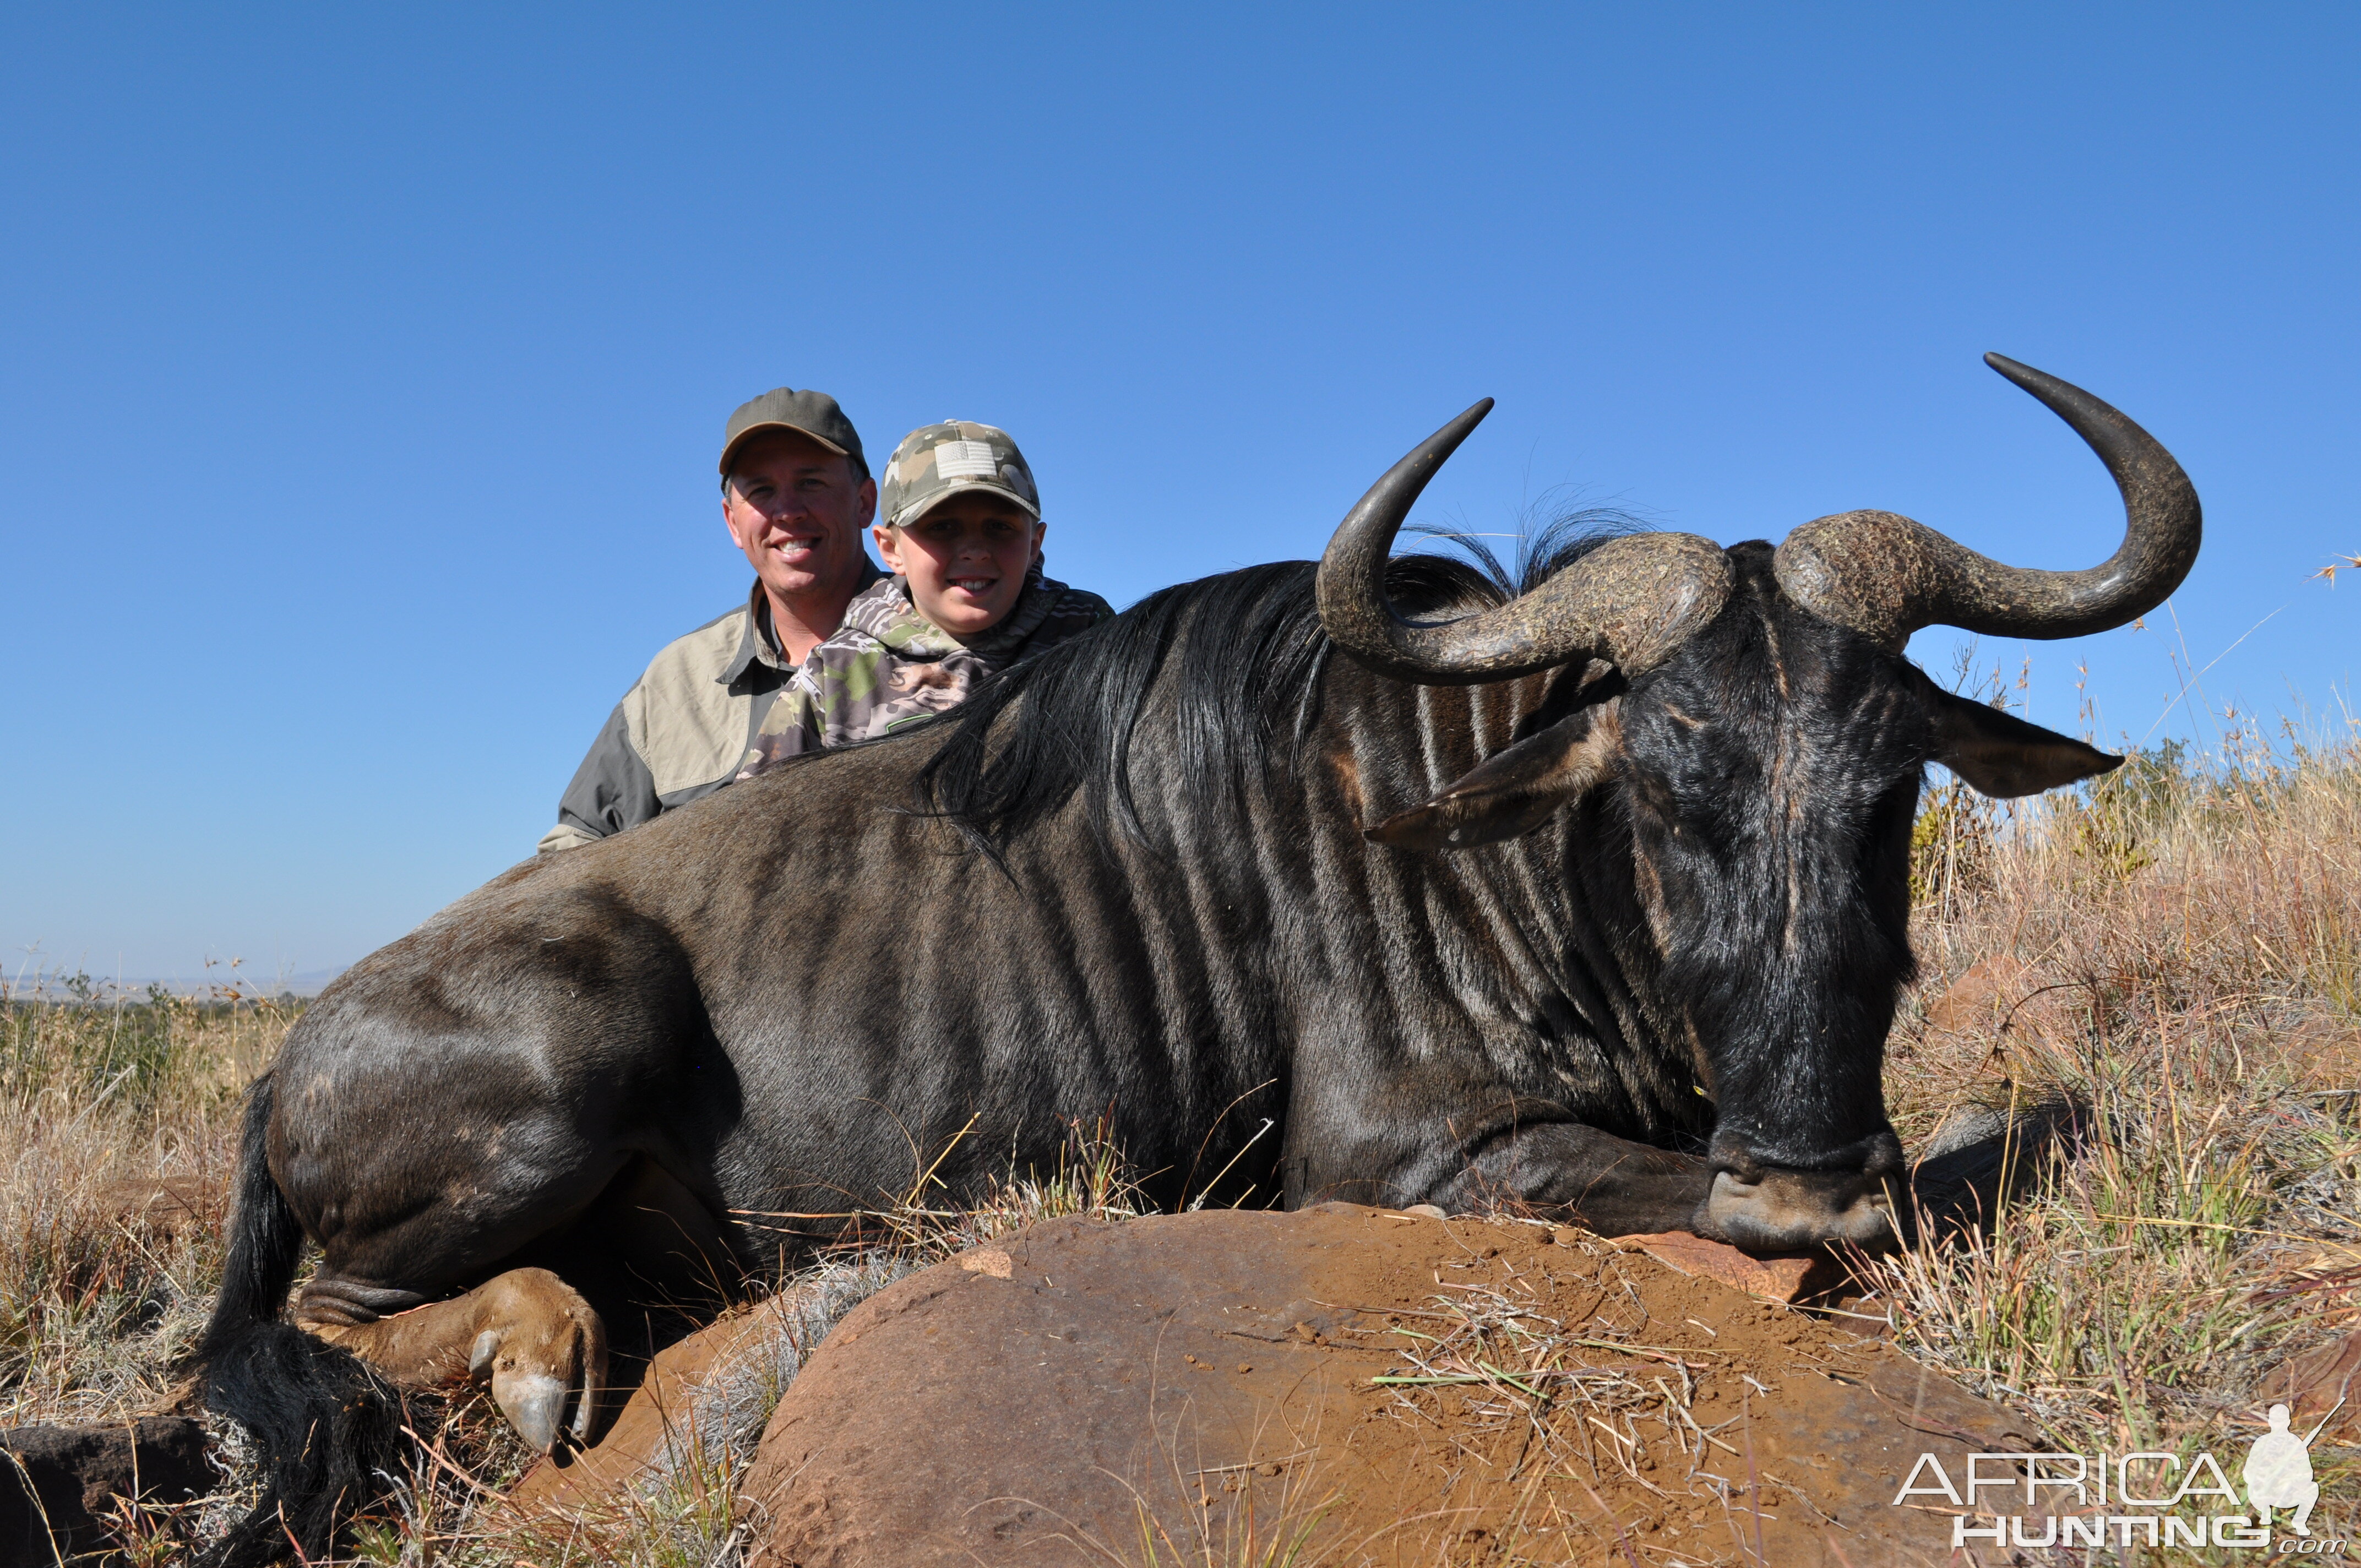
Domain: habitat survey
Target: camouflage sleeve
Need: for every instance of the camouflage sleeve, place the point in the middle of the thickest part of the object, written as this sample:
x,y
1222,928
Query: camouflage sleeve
x,y
611,790
783,731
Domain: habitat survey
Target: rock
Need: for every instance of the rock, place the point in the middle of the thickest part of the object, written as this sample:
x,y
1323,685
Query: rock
x,y
1999,996
1201,1381
76,1474
988,1260
2313,1383
1783,1280
2324,1048
168,1206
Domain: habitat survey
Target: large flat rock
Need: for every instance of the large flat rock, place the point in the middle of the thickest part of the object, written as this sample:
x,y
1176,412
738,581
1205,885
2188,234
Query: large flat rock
x,y
58,1484
1209,1385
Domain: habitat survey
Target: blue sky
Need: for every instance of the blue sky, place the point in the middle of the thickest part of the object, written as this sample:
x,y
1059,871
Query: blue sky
x,y
362,369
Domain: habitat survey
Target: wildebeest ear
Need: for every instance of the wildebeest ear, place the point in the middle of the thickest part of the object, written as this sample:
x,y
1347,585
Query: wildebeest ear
x,y
2001,755
1515,791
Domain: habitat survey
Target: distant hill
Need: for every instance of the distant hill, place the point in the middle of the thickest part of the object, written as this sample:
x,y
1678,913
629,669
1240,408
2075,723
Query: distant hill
x,y
305,982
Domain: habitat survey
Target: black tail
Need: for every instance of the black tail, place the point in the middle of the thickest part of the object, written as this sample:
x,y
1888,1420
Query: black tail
x,y
328,1428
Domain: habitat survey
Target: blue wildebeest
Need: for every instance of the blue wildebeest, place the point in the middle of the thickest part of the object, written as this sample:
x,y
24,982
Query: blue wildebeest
x,y
1591,896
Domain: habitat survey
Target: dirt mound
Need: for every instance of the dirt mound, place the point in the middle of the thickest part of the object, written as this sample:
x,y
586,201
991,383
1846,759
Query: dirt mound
x,y
1383,1388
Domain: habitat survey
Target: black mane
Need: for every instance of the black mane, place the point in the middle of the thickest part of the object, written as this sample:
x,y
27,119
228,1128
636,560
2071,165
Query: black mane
x,y
1251,653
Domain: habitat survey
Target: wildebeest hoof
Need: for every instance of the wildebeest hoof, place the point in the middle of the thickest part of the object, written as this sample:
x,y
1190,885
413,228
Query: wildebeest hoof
x,y
1786,1210
543,1348
534,1403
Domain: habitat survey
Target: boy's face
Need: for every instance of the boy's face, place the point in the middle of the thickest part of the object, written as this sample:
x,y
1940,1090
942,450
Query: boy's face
x,y
966,558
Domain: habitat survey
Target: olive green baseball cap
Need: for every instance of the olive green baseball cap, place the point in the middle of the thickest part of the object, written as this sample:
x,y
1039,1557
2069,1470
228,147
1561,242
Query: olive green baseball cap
x,y
805,413
939,460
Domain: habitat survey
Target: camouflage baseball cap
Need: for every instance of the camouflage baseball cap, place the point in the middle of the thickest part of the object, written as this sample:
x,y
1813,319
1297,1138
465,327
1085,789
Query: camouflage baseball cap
x,y
805,413
938,460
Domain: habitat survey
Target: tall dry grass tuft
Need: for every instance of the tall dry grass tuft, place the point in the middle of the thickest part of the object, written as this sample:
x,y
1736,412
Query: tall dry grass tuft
x,y
2177,952
106,1271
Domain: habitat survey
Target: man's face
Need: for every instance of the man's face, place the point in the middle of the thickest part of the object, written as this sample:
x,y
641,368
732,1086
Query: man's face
x,y
965,559
793,506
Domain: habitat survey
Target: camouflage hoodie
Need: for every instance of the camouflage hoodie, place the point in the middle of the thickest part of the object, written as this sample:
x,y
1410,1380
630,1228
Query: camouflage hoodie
x,y
887,665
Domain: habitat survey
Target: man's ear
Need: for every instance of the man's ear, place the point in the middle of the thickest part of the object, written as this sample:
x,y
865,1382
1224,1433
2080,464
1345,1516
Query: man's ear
x,y
2001,755
1515,791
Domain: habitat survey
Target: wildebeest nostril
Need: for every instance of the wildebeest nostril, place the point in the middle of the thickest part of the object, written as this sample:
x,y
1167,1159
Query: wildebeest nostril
x,y
1784,1210
1739,1167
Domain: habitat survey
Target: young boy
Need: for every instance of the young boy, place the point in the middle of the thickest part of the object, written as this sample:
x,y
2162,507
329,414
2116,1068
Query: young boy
x,y
959,524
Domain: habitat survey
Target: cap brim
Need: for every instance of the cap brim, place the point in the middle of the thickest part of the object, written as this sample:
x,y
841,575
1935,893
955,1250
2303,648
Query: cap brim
x,y
961,487
766,428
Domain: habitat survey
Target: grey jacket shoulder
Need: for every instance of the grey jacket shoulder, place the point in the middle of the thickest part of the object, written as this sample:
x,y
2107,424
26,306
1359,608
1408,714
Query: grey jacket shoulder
x,y
680,732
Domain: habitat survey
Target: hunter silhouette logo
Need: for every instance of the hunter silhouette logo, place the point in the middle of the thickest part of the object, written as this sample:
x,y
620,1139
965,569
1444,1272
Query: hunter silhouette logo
x,y
2278,1472
2149,1499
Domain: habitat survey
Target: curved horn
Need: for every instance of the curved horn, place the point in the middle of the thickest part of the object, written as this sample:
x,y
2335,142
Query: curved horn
x,y
1631,601
1887,576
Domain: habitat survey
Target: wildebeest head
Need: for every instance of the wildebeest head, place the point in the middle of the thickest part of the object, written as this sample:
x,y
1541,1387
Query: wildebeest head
x,y
1764,738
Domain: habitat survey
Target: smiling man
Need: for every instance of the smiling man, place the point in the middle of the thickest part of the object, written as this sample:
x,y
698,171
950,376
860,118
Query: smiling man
x,y
961,527
796,496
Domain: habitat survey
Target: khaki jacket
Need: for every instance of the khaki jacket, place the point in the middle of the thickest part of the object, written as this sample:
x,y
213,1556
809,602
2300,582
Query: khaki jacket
x,y
681,731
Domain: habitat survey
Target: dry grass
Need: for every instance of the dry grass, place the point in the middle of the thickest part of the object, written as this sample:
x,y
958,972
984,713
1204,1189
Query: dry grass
x,y
2186,951
2180,954
95,1090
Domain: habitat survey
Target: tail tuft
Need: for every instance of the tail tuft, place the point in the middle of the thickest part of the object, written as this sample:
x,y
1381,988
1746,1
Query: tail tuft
x,y
330,1430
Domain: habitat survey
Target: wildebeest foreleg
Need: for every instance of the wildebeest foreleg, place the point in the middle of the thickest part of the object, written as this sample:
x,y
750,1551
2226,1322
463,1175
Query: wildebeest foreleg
x,y
1528,1154
1378,1140
1512,1151
1607,1184
535,1339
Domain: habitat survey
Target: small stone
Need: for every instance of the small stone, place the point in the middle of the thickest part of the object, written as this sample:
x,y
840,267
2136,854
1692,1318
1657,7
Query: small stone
x,y
1246,1366
1781,1280
1426,1211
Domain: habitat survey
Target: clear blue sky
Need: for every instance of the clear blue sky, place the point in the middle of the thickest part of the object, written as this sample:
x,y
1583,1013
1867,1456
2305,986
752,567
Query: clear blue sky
x,y
362,369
